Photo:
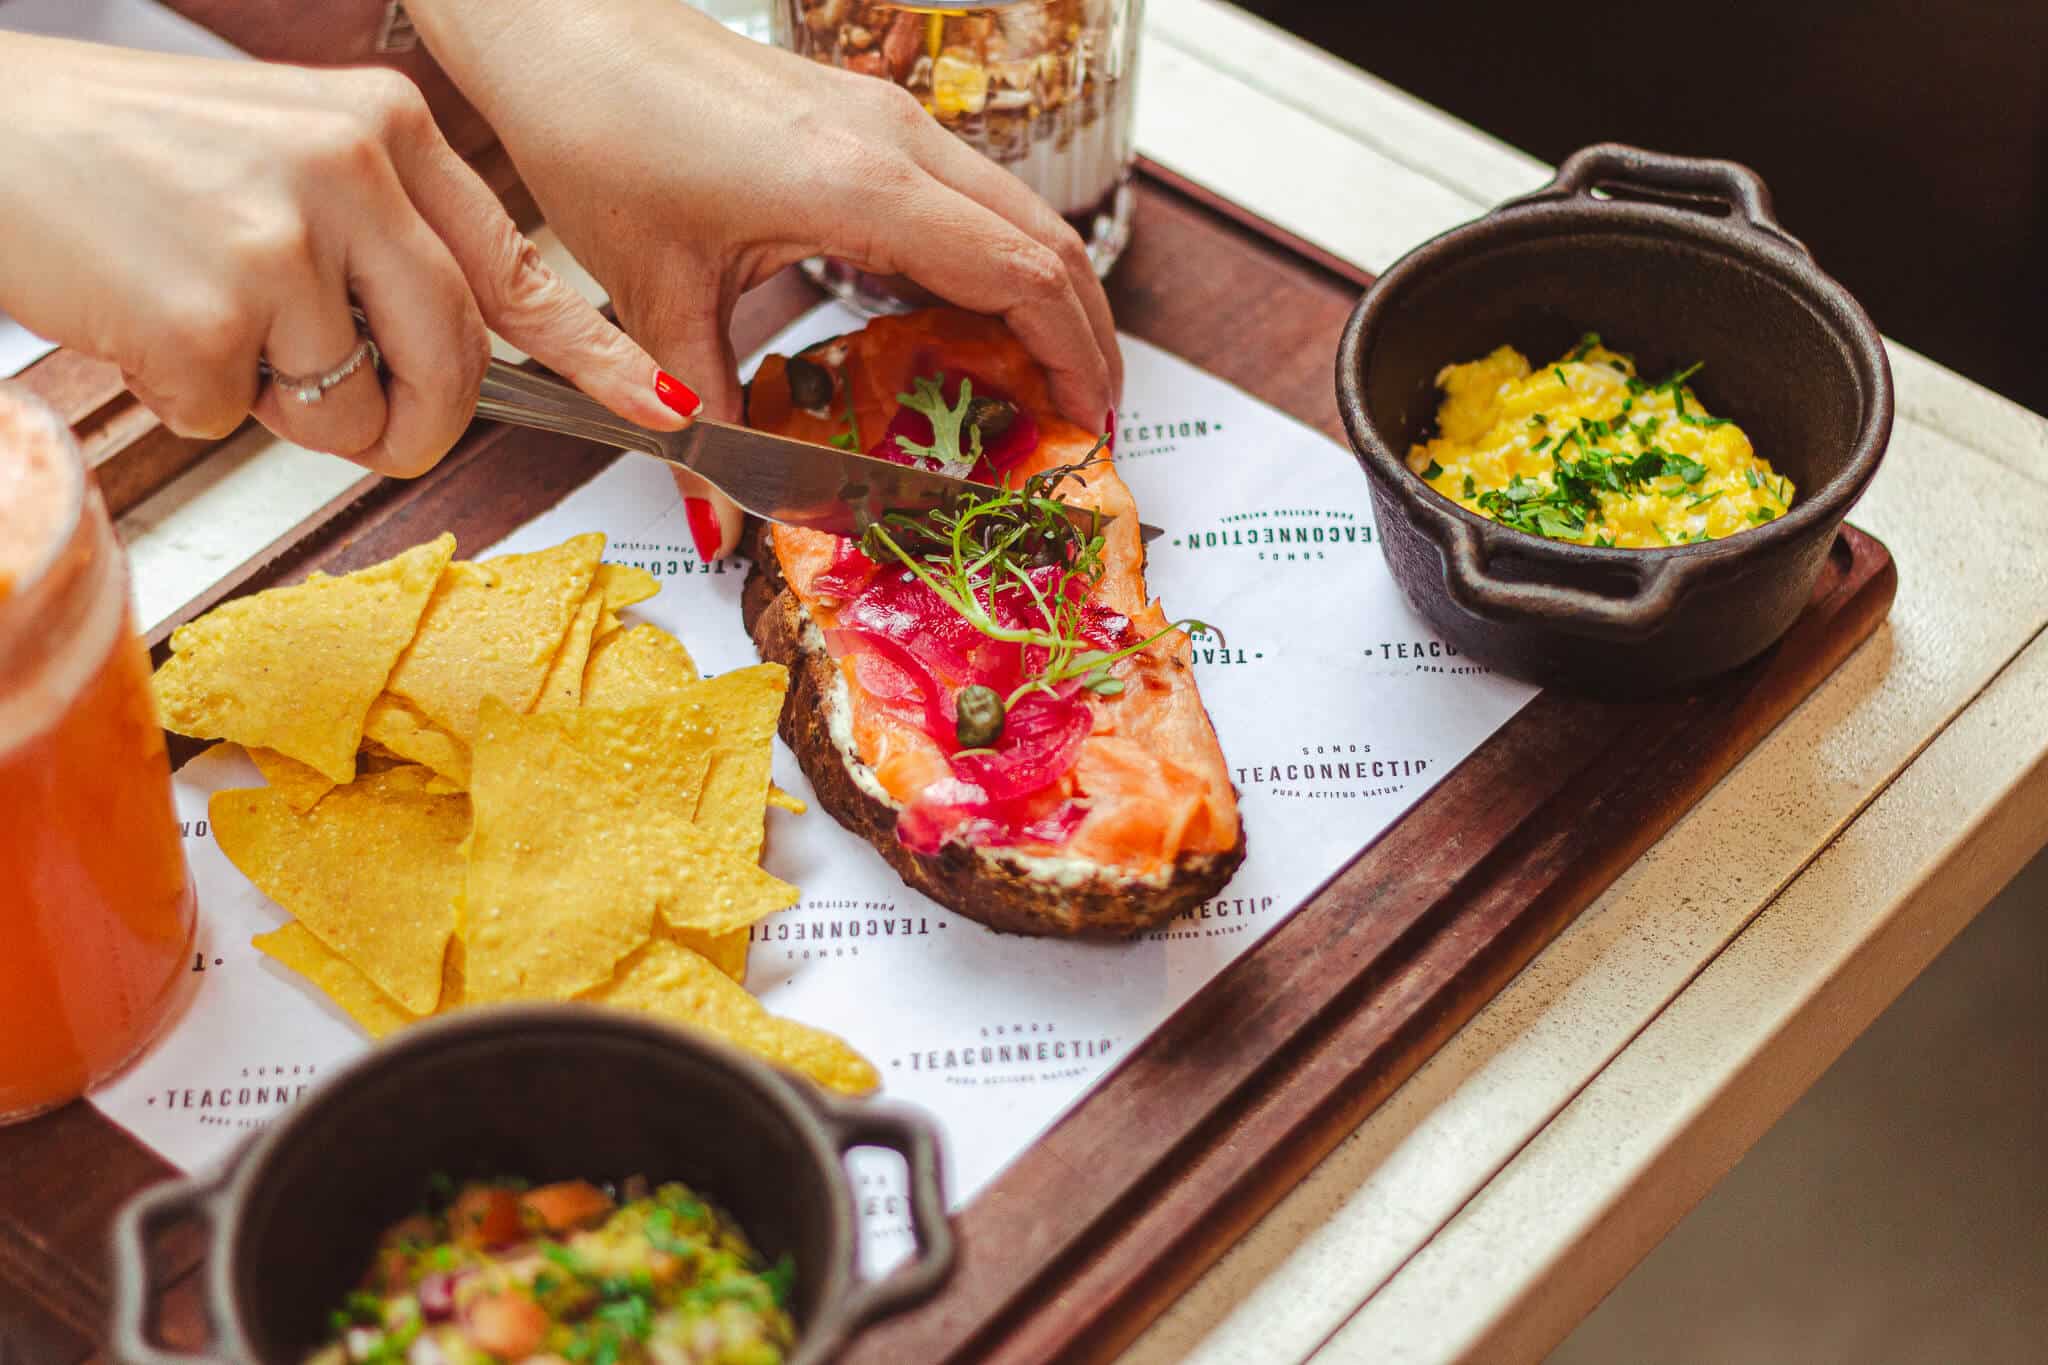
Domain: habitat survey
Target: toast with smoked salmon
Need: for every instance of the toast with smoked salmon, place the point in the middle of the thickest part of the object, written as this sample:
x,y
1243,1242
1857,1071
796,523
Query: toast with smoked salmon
x,y
990,698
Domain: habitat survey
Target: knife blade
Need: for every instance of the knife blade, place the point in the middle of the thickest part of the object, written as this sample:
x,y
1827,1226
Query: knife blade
x,y
776,477
817,487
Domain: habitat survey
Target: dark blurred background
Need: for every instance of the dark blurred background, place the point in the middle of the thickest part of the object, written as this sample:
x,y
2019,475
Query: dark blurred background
x,y
1906,141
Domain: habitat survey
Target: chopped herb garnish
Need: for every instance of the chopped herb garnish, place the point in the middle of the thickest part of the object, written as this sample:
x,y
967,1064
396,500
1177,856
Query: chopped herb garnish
x,y
1756,480
565,1258
1558,370
1434,472
1685,467
1537,419
1586,344
1704,499
1760,515
1540,445
1471,489
1677,381
780,1279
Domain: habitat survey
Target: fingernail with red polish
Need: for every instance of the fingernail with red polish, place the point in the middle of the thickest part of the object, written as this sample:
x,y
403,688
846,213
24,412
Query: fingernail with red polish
x,y
704,528
676,393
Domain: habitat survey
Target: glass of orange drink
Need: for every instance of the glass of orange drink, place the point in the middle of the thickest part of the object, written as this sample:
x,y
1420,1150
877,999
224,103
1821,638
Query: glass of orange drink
x,y
96,907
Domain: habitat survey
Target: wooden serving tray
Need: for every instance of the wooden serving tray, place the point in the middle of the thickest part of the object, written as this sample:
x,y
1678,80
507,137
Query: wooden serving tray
x,y
1166,1162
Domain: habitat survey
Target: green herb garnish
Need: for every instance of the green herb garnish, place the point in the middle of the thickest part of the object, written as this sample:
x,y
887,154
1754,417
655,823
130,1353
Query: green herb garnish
x,y
1586,344
1434,472
780,1279
980,545
928,397
1558,370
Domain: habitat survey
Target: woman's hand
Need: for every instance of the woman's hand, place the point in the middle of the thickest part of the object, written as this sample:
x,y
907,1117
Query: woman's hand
x,y
684,164
185,219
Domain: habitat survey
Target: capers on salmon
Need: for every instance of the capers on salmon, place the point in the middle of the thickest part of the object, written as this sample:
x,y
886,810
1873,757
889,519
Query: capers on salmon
x,y
988,418
810,384
978,716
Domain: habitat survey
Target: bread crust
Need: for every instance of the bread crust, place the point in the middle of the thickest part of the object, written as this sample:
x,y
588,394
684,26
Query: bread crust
x,y
981,884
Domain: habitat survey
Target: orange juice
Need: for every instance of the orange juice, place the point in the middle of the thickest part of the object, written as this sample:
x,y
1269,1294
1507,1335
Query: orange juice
x,y
96,908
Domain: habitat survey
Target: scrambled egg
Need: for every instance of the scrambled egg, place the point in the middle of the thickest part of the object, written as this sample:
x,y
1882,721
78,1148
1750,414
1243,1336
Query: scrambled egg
x,y
1583,450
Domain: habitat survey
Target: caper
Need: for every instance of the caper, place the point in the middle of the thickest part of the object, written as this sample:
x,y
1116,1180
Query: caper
x,y
978,716
990,417
810,384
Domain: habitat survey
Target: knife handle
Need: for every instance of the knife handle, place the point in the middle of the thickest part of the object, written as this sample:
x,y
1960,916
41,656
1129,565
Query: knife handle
x,y
526,399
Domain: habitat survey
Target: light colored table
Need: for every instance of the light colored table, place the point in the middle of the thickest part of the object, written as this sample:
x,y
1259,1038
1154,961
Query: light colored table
x,y
1485,1208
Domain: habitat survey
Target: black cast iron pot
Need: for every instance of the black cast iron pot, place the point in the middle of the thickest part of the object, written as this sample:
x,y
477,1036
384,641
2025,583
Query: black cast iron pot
x,y
549,1093
1674,260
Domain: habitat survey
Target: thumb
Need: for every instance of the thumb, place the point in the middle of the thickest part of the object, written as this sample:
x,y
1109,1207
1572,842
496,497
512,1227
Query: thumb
x,y
695,342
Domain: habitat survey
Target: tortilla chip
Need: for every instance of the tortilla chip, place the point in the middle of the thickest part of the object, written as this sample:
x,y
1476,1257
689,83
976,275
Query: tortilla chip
x,y
563,686
741,707
492,630
396,726
300,786
727,952
295,946
624,584
782,800
635,667
295,669
453,991
582,836
666,979
394,926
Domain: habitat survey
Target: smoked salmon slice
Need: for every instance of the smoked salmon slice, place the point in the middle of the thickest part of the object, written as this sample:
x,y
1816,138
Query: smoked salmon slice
x,y
1104,805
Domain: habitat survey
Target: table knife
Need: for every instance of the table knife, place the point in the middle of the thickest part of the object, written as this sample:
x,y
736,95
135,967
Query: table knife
x,y
773,477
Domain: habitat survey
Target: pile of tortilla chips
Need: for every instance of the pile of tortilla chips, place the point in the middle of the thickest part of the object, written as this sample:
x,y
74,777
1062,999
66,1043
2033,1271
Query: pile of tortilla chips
x,y
485,787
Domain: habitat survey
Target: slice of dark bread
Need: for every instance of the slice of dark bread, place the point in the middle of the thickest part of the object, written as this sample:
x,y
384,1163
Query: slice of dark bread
x,y
1004,889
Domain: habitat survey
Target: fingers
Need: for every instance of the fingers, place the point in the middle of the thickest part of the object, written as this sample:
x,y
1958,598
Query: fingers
x,y
974,257
315,333
519,296
198,375
995,189
688,332
426,323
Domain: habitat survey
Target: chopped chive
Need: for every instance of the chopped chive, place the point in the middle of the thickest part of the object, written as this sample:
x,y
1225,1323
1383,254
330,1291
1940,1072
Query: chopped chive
x,y
1558,370
1471,489
1755,479
1538,447
1586,345
1434,472
1537,419
1704,499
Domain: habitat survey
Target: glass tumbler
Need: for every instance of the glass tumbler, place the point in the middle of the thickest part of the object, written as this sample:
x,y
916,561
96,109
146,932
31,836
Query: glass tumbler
x,y
96,909
1044,88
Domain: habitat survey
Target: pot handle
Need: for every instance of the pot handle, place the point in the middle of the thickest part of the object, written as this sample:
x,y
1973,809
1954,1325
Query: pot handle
x,y
1633,617
911,1137
134,1289
1618,164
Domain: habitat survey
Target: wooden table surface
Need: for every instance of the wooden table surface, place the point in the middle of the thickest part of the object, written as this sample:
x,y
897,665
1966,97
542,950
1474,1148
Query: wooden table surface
x,y
1492,1200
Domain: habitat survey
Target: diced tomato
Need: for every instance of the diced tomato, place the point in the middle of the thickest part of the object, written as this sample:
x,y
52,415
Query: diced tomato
x,y
507,1324
566,1205
485,1216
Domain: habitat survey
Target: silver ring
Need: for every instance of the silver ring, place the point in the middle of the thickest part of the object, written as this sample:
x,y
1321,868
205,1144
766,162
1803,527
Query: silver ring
x,y
312,388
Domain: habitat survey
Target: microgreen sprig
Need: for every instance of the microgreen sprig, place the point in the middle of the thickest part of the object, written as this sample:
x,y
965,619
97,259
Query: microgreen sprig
x,y
981,544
